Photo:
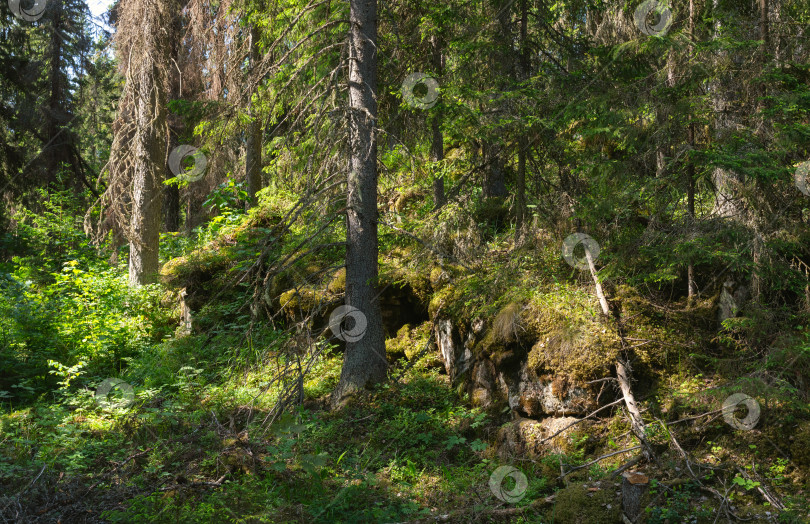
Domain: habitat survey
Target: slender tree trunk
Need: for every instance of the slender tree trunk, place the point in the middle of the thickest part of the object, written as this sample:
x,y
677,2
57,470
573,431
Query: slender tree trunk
x,y
623,371
495,177
58,145
690,209
724,180
172,194
764,27
253,144
765,48
520,189
690,172
437,140
365,361
437,154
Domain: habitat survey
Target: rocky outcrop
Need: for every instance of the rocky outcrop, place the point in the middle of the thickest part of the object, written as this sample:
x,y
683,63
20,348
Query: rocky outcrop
x,y
540,405
457,357
732,300
527,437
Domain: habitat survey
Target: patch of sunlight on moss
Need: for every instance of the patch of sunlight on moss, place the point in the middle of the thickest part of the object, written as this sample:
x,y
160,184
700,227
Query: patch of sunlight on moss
x,y
324,376
571,338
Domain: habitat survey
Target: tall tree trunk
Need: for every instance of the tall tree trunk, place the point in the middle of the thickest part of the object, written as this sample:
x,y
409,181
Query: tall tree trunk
x,y
690,171
171,193
364,361
253,144
437,139
520,189
148,144
504,68
494,174
724,180
437,154
764,26
57,151
690,210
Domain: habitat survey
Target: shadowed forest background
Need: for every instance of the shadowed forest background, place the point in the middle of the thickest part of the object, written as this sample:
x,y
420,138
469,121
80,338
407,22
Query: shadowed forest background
x,y
404,261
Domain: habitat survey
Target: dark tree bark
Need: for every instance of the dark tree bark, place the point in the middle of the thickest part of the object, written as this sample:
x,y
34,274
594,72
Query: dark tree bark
x,y
437,139
504,66
58,150
253,144
495,174
171,192
365,361
520,189
690,171
690,209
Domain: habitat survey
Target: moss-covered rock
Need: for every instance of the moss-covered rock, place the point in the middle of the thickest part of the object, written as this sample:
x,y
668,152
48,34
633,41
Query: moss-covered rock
x,y
198,266
570,337
527,437
396,347
296,303
439,278
409,341
338,283
447,299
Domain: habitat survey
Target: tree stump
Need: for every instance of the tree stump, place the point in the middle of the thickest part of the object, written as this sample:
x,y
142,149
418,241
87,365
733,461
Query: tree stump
x,y
634,486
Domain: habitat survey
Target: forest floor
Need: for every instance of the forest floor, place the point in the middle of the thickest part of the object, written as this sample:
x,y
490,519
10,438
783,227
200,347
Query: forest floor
x,y
198,436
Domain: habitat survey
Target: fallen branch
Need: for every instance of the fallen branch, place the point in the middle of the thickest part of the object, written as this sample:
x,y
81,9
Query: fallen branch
x,y
116,468
586,417
214,484
775,502
26,488
597,459
623,370
494,512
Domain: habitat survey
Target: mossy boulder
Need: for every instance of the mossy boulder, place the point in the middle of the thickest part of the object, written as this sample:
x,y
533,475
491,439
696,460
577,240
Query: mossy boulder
x,y
570,338
194,268
527,437
338,283
448,299
296,303
409,342
396,347
439,278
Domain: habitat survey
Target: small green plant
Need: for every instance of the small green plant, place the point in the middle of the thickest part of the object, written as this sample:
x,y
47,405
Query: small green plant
x,y
745,483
